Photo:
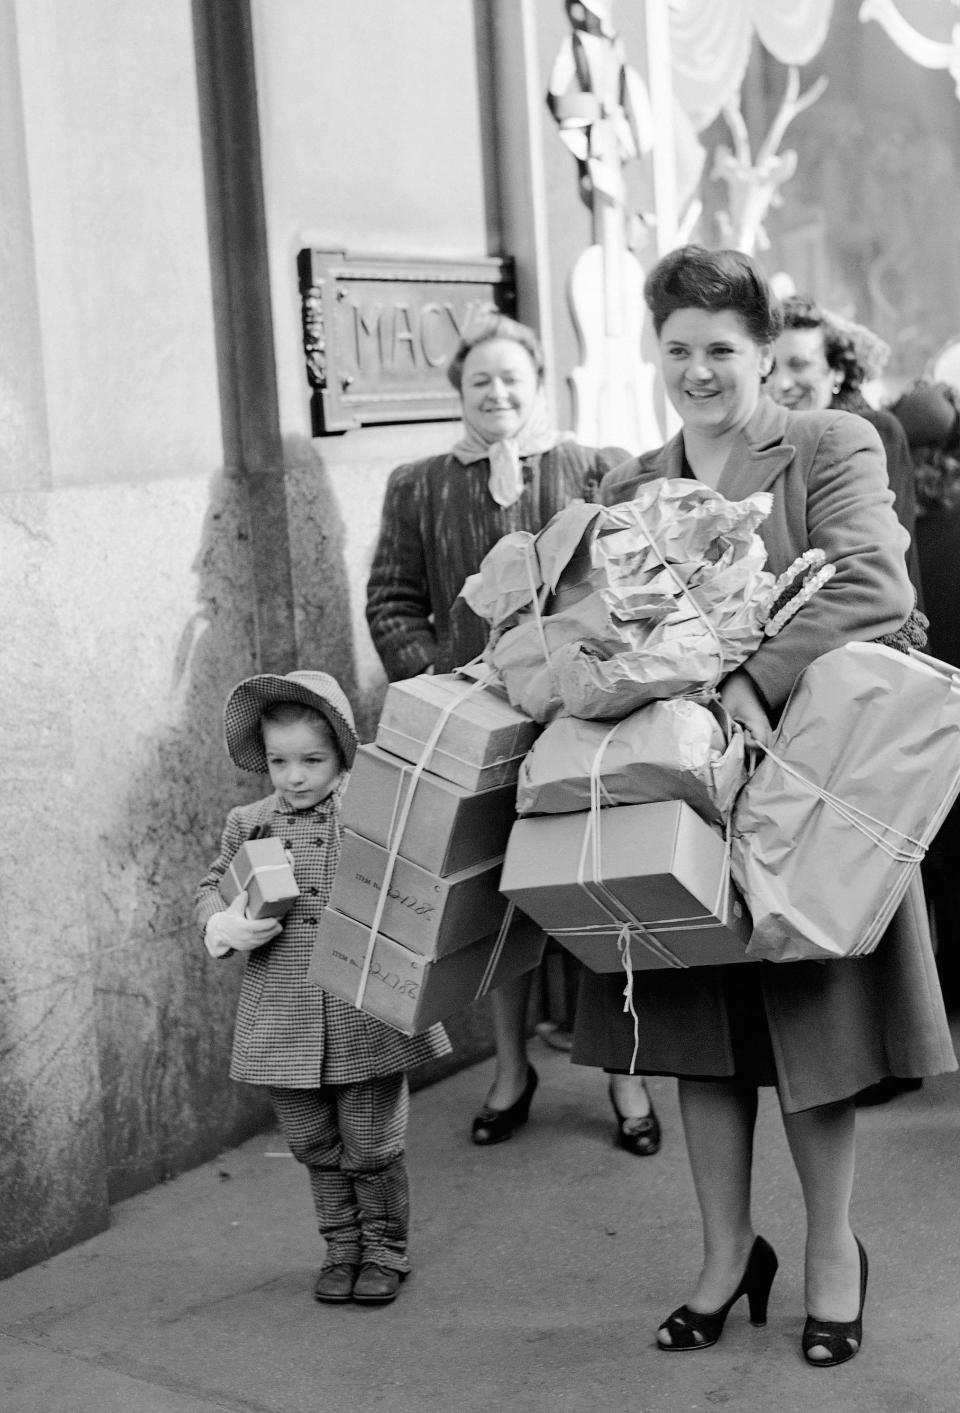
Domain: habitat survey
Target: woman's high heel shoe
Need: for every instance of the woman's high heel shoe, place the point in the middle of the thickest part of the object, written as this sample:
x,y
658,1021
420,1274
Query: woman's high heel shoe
x,y
641,1137
690,1329
494,1125
840,1338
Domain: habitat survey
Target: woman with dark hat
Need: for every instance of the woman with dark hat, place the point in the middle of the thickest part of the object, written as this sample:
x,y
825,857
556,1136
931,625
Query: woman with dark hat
x,y
930,415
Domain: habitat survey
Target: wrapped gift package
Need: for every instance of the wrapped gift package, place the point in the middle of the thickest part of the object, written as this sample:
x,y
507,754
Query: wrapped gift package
x,y
668,750
429,914
656,597
878,732
555,667
522,564
654,874
483,739
408,991
447,828
261,868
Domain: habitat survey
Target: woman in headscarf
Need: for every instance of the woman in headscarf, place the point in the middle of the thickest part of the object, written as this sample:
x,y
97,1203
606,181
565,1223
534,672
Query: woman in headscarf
x,y
511,470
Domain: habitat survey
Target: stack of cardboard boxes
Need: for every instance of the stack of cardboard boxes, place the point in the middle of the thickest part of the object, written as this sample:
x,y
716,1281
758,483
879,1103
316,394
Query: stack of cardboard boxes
x,y
417,927
644,881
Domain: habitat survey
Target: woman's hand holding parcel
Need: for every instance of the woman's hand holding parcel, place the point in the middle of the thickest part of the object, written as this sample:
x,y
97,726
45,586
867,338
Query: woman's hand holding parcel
x,y
742,701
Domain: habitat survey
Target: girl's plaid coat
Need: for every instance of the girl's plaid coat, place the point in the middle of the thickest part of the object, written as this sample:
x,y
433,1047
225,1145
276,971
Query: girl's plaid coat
x,y
289,1032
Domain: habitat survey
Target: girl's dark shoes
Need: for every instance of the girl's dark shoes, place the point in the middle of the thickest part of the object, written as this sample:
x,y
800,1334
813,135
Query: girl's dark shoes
x,y
688,1329
369,1284
495,1125
334,1284
840,1338
377,1285
641,1137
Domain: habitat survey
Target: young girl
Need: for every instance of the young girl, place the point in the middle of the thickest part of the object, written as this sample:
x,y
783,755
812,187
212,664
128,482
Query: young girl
x,y
336,1077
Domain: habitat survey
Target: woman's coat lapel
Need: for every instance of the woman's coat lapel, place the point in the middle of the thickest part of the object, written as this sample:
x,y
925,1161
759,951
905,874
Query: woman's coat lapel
x,y
760,455
757,458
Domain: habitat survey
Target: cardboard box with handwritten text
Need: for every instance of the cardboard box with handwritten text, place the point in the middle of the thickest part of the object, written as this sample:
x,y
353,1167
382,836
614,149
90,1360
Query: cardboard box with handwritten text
x,y
406,990
429,914
447,827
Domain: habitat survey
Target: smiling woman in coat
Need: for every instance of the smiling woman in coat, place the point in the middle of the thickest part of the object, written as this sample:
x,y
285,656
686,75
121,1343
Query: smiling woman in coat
x,y
511,470
819,1032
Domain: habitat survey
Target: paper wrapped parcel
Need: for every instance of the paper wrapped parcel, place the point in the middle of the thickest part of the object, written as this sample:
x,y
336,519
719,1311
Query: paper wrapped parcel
x,y
482,739
668,750
878,732
260,868
610,607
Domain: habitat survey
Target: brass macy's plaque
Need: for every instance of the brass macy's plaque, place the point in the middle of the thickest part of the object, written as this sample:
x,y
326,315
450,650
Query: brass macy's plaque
x,y
378,332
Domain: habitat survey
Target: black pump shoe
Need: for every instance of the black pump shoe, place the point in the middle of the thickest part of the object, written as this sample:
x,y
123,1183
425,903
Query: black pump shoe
x,y
641,1137
496,1125
840,1338
689,1329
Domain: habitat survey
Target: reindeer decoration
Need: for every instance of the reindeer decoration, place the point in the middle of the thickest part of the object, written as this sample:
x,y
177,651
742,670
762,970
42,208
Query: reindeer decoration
x,y
754,186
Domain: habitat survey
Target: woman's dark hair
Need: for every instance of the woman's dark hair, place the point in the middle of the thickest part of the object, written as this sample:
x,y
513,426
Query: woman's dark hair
x,y
714,280
802,312
496,326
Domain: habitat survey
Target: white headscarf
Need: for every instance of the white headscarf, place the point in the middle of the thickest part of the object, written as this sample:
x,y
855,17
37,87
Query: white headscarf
x,y
505,482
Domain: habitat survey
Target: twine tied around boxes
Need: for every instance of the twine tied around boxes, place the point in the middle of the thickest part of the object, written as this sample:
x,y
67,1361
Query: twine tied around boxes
x,y
630,926
398,824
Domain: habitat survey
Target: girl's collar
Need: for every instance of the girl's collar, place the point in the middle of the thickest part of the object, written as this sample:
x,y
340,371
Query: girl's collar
x,y
324,807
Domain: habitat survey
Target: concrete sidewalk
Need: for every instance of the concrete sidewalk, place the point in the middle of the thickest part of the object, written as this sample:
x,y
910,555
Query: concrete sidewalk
x,y
542,1268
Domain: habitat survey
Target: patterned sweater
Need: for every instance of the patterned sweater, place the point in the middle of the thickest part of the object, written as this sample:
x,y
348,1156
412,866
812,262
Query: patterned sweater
x,y
438,522
288,1031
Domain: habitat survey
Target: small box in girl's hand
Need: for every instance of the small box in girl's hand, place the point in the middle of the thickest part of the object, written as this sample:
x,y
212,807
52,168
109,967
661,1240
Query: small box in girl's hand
x,y
261,868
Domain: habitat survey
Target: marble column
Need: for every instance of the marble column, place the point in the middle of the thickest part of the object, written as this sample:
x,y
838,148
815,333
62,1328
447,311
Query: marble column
x,y
52,1183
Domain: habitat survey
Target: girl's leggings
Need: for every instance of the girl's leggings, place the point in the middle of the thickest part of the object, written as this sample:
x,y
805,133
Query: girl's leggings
x,y
351,1138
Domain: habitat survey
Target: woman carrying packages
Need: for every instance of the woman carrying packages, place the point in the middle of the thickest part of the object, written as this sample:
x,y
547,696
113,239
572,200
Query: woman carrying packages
x,y
818,1032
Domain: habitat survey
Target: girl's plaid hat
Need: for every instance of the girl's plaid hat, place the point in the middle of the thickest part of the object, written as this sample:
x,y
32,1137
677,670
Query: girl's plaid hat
x,y
241,715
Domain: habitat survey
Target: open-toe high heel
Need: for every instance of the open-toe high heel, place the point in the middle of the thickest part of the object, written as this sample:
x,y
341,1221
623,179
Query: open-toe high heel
x,y
840,1338
639,1136
688,1329
495,1125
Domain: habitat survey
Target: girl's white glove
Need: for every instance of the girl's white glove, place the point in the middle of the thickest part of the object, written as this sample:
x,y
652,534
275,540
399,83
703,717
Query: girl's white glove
x,y
231,931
